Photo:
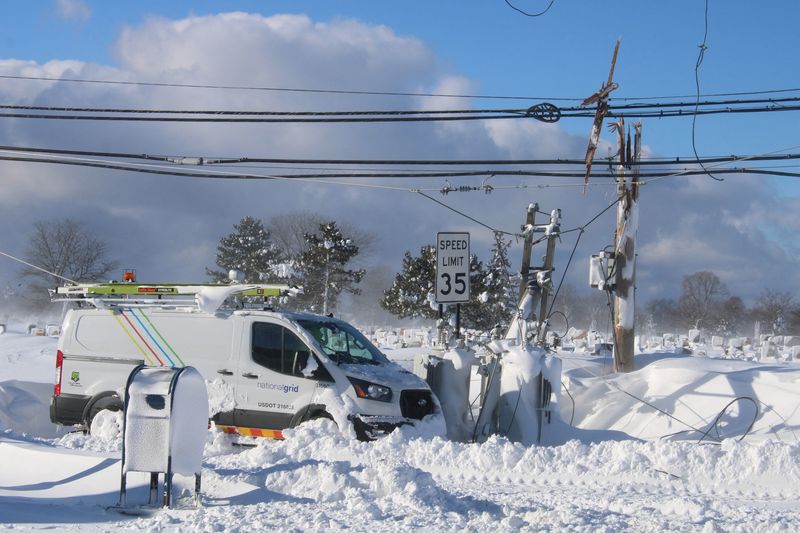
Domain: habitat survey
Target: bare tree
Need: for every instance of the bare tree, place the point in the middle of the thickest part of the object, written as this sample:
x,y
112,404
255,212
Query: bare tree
x,y
699,301
288,231
730,317
66,249
663,315
774,310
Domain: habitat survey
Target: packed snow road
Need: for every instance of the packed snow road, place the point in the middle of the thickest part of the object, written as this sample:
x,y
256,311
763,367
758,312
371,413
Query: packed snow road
x,y
317,479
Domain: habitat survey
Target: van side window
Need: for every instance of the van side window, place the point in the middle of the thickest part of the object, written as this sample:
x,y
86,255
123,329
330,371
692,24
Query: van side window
x,y
267,345
280,350
295,354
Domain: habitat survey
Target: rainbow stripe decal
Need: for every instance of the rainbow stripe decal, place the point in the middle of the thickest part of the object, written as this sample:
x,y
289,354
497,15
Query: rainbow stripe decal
x,y
131,327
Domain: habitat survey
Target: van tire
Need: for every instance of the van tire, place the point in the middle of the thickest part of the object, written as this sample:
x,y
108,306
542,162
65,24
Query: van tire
x,y
320,414
101,402
312,412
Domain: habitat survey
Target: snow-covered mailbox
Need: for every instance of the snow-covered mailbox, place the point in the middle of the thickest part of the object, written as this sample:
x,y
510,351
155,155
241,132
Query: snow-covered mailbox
x,y
166,418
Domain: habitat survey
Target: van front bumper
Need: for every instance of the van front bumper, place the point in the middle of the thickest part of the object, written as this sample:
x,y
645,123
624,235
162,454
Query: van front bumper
x,y
370,428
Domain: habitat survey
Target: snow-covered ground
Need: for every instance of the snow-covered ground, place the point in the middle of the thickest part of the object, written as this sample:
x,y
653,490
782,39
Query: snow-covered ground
x,y
628,466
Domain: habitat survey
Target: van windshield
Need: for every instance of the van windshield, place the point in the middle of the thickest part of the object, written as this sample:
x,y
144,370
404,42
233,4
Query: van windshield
x,y
343,343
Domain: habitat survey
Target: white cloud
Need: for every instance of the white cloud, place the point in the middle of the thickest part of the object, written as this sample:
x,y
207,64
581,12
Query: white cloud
x,y
166,226
73,10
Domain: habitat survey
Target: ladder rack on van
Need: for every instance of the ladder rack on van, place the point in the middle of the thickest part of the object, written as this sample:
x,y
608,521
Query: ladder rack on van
x,y
172,294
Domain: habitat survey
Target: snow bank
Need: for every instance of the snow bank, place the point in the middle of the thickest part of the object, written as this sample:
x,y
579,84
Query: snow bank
x,y
692,390
319,480
24,408
27,358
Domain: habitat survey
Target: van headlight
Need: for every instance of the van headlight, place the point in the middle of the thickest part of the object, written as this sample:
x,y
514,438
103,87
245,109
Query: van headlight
x,y
371,391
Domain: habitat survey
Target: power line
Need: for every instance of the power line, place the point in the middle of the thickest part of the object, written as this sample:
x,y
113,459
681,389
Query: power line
x,y
206,160
678,174
210,174
372,174
378,93
530,111
539,14
454,210
257,119
259,113
154,169
38,268
701,54
345,117
683,112
281,89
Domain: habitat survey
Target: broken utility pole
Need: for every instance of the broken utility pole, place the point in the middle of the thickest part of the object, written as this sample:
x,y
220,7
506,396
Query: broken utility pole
x,y
601,97
625,245
527,247
545,276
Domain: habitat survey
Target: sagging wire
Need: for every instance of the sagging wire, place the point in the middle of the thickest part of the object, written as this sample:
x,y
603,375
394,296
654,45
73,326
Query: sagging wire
x,y
566,323
489,383
571,418
715,424
716,165
39,268
638,399
700,57
539,14
454,210
581,229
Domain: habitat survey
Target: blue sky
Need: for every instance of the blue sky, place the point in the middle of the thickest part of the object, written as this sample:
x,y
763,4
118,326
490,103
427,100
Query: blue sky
x,y
475,46
563,53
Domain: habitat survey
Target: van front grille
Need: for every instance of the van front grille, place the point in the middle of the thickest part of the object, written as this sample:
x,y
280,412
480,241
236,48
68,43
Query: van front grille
x,y
416,404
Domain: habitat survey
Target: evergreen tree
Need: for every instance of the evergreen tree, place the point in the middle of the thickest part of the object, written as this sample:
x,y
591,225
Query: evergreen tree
x,y
501,294
322,269
250,250
411,293
474,314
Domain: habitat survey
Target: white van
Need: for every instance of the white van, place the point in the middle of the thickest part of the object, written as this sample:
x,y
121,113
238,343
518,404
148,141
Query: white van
x,y
281,368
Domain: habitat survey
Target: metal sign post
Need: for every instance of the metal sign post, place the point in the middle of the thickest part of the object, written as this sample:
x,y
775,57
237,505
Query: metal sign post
x,y
452,271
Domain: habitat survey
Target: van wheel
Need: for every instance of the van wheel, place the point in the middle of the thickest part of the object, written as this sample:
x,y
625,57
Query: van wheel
x,y
111,403
316,415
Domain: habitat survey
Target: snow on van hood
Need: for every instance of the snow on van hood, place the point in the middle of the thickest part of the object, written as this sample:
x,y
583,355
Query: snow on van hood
x,y
389,374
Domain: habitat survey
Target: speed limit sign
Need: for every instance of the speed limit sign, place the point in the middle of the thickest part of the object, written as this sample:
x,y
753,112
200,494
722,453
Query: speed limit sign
x,y
452,267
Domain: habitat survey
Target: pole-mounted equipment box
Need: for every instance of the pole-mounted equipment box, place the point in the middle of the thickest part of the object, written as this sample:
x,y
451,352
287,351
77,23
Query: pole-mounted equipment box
x,y
602,274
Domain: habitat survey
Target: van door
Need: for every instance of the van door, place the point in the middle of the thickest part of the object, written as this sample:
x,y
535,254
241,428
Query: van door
x,y
271,386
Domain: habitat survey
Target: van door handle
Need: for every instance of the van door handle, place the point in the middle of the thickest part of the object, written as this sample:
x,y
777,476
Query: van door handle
x,y
224,372
250,375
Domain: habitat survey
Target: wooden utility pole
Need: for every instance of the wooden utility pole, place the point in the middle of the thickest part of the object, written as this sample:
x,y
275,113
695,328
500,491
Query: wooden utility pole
x,y
625,246
552,231
527,247
601,98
